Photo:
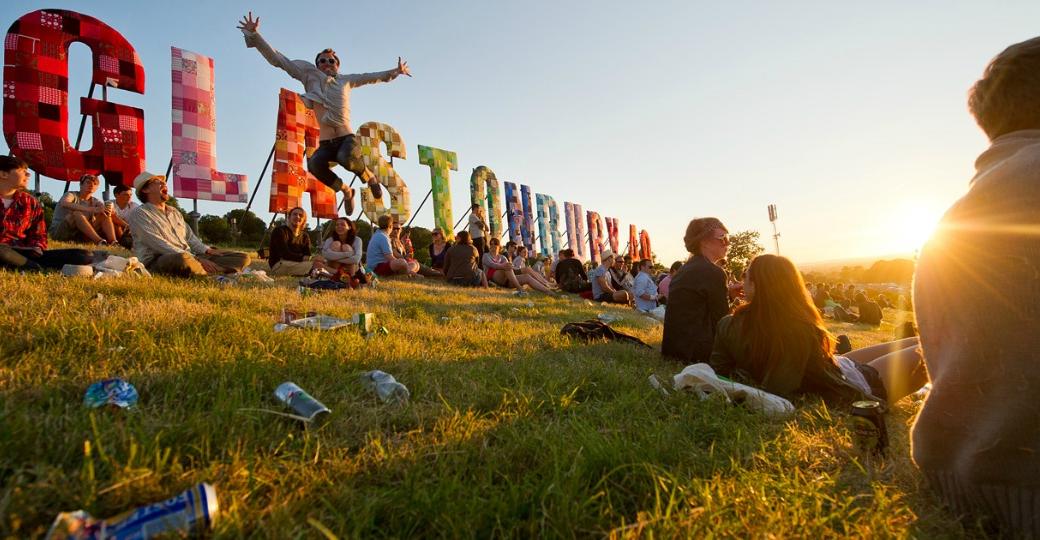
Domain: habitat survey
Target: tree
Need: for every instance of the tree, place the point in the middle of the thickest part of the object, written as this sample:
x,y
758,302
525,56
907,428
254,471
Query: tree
x,y
743,247
251,227
214,229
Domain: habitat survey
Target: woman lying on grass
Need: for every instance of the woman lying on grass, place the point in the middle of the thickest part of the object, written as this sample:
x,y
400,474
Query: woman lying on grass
x,y
777,342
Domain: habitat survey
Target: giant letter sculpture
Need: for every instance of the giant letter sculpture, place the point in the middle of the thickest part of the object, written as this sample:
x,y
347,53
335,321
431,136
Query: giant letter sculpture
x,y
613,227
644,246
548,224
595,236
633,243
194,116
575,229
440,163
490,198
554,226
36,97
370,135
296,133
527,229
515,212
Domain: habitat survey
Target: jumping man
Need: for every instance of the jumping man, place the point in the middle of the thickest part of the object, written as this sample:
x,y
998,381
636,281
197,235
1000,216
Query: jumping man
x,y
328,94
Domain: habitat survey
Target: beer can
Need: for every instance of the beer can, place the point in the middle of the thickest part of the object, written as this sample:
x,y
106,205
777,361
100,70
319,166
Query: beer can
x,y
305,406
868,427
364,322
189,513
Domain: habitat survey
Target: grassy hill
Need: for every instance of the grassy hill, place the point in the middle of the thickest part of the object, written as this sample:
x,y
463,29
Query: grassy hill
x,y
512,430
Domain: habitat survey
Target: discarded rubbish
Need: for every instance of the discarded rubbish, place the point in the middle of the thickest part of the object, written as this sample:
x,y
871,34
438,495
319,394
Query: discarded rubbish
x,y
657,384
226,280
77,270
191,511
702,380
922,392
385,386
290,314
364,321
384,331
320,322
530,304
110,392
306,407
259,275
609,317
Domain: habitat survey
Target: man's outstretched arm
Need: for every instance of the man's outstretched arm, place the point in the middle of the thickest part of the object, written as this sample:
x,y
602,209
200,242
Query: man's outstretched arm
x,y
361,79
251,31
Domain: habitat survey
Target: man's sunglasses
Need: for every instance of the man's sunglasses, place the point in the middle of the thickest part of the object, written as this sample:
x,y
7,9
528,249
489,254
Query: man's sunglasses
x,y
327,61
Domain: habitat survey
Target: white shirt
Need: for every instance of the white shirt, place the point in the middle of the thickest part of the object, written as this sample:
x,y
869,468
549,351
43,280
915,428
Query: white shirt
x,y
644,285
124,213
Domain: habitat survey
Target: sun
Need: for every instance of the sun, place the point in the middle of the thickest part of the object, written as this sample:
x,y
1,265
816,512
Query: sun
x,y
917,225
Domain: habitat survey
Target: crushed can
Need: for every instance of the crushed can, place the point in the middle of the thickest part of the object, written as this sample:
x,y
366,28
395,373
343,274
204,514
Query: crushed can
x,y
306,407
191,512
364,322
868,427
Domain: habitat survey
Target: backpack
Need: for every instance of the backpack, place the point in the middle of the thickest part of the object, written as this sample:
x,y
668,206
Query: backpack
x,y
592,329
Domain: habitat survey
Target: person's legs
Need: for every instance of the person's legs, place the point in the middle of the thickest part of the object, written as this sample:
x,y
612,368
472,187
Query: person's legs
x,y
868,354
902,372
481,246
84,225
318,163
349,156
105,227
177,265
534,283
12,259
230,261
401,266
54,259
621,297
292,268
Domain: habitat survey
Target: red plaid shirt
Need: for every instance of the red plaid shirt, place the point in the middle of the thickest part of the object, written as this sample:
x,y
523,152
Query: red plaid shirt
x,y
22,224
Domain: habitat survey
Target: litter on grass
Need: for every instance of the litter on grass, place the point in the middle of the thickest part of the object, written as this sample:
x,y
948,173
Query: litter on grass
x,y
190,512
110,392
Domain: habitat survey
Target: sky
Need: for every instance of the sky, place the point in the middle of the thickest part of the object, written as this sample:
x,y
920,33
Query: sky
x,y
850,117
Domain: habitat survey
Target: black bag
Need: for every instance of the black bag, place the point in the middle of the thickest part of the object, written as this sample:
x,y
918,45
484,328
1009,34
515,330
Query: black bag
x,y
326,285
592,329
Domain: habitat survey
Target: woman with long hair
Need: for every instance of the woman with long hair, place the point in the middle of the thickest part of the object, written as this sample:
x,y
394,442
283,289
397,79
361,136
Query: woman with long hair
x,y
342,250
777,342
438,248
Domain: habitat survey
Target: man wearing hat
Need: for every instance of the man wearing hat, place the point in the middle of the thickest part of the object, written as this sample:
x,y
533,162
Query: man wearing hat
x,y
602,288
165,244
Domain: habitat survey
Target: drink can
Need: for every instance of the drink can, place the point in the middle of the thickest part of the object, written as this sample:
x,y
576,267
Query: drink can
x,y
308,408
364,322
289,315
868,427
190,512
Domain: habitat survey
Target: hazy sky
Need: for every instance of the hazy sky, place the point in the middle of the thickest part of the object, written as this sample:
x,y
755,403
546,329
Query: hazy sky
x,y
850,117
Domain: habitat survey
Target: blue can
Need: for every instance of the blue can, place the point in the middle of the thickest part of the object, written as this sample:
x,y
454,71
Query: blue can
x,y
190,512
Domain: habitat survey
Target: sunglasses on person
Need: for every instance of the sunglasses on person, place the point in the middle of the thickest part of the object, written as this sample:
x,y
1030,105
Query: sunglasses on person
x,y
724,239
435,233
327,61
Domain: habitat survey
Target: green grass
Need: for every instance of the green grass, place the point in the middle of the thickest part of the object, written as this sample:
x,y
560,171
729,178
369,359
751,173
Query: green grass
x,y
512,430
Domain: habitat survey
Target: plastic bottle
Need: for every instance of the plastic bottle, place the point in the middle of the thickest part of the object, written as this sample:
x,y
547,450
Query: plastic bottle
x,y
385,386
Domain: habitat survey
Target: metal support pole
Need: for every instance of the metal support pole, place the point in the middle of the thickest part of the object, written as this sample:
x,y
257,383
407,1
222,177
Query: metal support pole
x,y
462,218
416,213
79,135
194,215
260,178
169,167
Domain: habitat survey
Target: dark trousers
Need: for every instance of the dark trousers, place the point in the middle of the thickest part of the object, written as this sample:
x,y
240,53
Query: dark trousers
x,y
344,150
52,259
480,243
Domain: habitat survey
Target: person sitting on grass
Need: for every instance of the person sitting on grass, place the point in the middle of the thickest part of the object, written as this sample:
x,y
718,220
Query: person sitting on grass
x,y
80,217
438,248
662,287
23,232
644,289
698,295
121,215
869,312
460,263
165,244
401,242
570,273
777,342
521,268
602,288
342,251
500,270
291,247
380,256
